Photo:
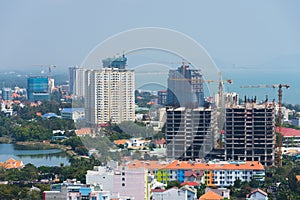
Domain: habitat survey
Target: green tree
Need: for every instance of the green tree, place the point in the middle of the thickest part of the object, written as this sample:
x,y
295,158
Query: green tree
x,y
171,184
201,190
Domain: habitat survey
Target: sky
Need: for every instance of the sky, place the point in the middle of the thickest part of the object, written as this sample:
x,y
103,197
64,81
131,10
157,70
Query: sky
x,y
235,33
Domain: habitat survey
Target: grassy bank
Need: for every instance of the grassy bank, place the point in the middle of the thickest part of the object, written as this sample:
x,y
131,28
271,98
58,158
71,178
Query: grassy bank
x,y
33,146
45,146
5,140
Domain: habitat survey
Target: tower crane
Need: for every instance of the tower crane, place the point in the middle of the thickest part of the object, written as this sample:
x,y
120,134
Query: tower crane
x,y
220,101
49,72
220,88
49,68
279,86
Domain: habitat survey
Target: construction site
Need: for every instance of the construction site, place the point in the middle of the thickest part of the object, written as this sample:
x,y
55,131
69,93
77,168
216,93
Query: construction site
x,y
250,132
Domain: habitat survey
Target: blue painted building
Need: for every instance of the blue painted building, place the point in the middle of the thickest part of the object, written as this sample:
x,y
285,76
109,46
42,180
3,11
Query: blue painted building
x,y
38,88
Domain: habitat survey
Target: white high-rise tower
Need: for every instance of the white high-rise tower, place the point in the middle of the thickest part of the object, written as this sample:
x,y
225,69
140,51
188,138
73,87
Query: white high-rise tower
x,y
109,95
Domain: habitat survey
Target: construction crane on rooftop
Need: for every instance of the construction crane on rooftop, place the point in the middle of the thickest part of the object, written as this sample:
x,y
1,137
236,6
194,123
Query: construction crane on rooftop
x,y
50,67
49,72
279,86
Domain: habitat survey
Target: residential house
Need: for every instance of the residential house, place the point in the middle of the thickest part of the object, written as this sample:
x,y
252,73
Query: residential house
x,y
224,192
210,195
12,163
183,193
257,194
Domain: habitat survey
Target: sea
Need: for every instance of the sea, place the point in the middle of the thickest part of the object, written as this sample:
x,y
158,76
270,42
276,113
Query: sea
x,y
241,78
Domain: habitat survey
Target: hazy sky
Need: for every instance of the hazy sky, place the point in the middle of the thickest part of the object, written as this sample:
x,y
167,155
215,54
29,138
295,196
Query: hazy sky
x,y
62,32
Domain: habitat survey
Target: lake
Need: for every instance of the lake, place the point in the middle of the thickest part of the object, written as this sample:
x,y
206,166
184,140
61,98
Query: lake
x,y
48,157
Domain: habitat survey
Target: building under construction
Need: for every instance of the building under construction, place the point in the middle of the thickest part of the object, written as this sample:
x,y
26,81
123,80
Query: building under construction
x,y
250,133
185,87
190,132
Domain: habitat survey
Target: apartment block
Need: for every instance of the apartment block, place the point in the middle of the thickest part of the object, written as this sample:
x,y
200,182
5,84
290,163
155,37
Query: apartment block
x,y
250,133
213,173
290,138
109,96
6,94
189,132
121,181
162,97
77,81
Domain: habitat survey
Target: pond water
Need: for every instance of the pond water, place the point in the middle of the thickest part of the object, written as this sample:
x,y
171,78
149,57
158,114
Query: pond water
x,y
48,157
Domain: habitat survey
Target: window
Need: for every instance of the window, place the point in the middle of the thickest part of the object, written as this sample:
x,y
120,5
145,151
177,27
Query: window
x,y
123,184
123,179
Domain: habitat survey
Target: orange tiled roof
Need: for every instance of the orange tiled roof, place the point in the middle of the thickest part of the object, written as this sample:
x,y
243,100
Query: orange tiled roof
x,y
210,195
298,177
152,165
83,131
119,142
12,163
11,160
254,165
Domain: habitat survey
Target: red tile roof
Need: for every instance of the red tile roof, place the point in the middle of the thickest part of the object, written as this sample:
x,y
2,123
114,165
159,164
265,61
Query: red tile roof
x,y
193,173
158,190
289,132
162,141
190,184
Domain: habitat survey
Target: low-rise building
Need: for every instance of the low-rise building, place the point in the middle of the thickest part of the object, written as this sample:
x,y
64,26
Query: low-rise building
x,y
291,137
132,183
210,195
83,132
72,190
296,121
12,163
183,193
75,114
224,192
257,194
133,143
216,174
